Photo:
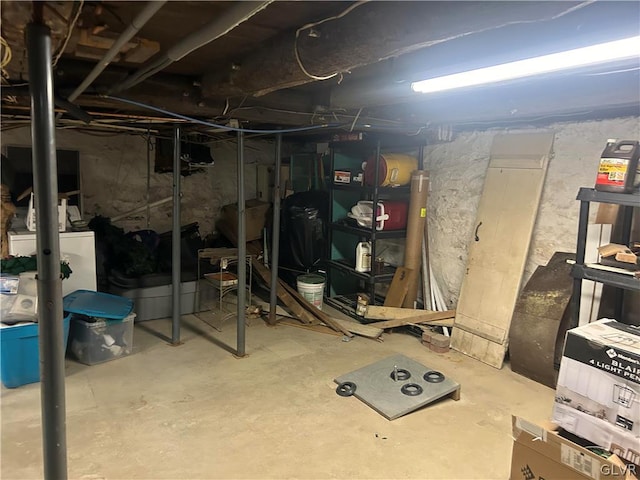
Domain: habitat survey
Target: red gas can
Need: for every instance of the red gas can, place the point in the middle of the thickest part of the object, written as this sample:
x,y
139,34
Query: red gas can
x,y
389,215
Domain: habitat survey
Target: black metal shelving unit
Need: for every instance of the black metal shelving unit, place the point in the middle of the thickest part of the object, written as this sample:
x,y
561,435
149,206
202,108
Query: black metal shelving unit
x,y
346,301
580,271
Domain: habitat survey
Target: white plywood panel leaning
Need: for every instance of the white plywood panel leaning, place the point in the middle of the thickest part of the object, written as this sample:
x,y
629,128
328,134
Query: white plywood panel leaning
x,y
500,244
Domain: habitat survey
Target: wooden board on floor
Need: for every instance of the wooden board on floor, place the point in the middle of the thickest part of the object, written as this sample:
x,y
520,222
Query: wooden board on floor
x,y
375,312
499,248
359,329
399,287
313,328
265,274
313,310
413,316
427,317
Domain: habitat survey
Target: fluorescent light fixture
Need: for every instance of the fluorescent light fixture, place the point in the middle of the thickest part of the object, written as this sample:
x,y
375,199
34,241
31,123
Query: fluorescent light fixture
x,y
579,57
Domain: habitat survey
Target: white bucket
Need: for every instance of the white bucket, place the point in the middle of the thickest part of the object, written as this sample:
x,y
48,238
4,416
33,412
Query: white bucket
x,y
311,287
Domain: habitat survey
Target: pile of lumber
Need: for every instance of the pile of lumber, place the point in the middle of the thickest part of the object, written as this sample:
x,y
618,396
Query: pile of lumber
x,y
307,315
391,317
303,314
427,320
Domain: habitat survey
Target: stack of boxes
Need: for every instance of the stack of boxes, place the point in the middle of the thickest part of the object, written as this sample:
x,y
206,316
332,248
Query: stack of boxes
x,y
597,400
598,391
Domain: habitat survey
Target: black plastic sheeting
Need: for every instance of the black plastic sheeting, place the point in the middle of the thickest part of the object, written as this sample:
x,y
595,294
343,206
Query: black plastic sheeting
x,y
303,232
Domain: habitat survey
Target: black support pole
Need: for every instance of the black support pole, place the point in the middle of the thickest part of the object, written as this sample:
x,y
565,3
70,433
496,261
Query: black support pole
x,y
583,220
45,186
242,251
175,241
275,235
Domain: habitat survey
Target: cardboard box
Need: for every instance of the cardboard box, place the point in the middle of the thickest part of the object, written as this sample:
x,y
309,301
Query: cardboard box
x,y
540,453
342,176
598,390
255,218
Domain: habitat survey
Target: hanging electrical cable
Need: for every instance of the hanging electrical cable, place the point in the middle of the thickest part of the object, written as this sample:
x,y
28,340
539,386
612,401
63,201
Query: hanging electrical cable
x,y
215,125
314,24
69,33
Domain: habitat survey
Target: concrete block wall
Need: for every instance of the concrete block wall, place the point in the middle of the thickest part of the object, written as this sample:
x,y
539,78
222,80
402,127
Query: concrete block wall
x,y
113,173
457,171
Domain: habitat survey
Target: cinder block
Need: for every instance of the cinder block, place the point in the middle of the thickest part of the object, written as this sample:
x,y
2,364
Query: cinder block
x,y
435,348
440,340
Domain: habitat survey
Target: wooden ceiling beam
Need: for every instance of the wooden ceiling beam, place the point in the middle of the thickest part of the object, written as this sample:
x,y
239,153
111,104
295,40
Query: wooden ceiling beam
x,y
372,32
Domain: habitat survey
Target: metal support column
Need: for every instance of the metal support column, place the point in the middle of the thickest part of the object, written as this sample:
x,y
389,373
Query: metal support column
x,y
242,251
45,186
275,235
376,180
175,241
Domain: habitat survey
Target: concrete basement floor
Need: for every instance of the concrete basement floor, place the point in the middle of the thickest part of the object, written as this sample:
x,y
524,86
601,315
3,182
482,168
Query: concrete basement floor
x,y
196,411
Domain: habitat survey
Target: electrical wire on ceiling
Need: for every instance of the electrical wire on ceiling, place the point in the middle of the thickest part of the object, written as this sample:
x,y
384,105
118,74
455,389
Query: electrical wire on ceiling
x,y
7,55
215,125
314,24
69,33
356,119
401,51
313,115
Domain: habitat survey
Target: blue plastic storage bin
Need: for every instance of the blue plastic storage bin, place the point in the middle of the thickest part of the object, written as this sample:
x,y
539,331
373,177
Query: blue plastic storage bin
x,y
20,353
101,326
97,304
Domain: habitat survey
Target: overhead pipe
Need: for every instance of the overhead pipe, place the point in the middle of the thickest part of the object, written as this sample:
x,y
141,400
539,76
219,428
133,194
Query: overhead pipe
x,y
222,25
50,321
72,109
134,27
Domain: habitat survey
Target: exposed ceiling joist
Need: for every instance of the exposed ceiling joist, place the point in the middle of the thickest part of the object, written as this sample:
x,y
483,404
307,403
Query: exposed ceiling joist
x,y
373,32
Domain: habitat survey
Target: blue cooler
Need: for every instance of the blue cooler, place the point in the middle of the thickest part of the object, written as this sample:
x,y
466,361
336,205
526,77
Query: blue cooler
x,y
101,326
20,353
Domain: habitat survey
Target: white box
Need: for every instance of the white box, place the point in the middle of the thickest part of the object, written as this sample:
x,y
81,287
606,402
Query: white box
x,y
598,391
62,215
76,248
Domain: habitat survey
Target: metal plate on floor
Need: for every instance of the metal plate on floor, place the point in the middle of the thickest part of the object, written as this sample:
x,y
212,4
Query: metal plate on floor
x,y
376,387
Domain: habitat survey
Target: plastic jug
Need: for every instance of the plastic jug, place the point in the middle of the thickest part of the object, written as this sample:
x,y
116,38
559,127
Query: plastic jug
x,y
363,257
619,170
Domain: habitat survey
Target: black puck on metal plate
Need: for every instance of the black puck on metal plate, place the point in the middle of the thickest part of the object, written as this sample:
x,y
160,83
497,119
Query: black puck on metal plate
x,y
346,389
400,374
411,389
433,377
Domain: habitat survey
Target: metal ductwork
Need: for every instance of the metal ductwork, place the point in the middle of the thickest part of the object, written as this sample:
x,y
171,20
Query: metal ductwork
x,y
216,29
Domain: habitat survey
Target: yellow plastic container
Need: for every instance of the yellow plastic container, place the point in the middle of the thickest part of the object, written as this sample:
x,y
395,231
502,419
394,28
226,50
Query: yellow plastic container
x,y
394,169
